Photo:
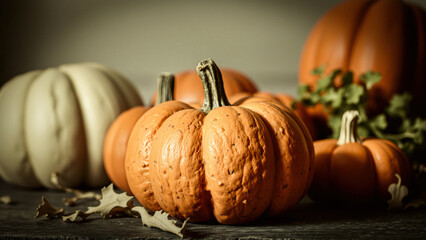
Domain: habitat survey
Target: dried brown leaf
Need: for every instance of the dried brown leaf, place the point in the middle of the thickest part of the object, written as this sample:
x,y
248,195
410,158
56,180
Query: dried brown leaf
x,y
78,194
46,209
161,220
6,200
398,192
74,217
111,204
416,203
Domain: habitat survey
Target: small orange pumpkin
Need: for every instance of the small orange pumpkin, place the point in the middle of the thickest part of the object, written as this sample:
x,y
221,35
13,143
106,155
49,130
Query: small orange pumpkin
x,y
118,134
189,89
279,98
231,163
356,171
385,36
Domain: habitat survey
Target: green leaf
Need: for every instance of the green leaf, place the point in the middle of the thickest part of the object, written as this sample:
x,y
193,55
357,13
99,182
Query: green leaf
x,y
347,78
353,94
420,124
393,123
303,90
399,105
418,138
370,78
326,82
380,122
363,131
315,98
335,73
334,122
333,97
319,70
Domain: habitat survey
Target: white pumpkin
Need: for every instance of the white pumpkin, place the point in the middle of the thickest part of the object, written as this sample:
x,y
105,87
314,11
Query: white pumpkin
x,y
55,121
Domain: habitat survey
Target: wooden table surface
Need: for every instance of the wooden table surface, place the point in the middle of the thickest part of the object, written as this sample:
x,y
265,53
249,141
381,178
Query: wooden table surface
x,y
307,221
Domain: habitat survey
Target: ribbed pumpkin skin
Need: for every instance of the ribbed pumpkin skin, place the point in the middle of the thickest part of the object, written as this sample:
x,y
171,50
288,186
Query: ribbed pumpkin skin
x,y
233,163
386,36
55,121
280,98
115,145
355,173
189,89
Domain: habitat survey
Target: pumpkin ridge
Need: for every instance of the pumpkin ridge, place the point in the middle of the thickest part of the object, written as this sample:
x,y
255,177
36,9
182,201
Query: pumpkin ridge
x,y
31,179
96,96
357,28
238,167
386,160
61,134
50,148
83,130
138,152
174,164
292,154
124,86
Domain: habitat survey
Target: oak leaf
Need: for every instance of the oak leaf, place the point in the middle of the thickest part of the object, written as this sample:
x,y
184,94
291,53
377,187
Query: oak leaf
x,y
111,204
78,194
46,209
161,220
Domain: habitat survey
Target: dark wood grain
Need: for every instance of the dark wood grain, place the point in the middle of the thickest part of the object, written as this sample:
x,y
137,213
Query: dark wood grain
x,y
307,221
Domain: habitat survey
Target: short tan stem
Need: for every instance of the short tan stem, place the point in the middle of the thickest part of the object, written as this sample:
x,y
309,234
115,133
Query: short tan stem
x,y
165,87
348,129
214,93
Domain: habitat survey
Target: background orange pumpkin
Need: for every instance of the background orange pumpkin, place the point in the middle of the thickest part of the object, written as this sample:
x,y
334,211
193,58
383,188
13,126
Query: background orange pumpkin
x,y
189,89
386,36
354,171
118,134
232,163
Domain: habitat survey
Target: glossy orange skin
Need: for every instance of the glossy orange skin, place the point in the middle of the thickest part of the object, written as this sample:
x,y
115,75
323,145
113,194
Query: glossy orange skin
x,y
115,145
386,36
281,98
357,173
232,164
189,89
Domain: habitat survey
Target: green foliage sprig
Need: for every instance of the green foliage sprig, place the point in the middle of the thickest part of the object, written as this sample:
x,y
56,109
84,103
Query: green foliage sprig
x,y
394,123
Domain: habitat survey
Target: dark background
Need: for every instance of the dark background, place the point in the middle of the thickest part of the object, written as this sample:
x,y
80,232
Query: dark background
x,y
140,39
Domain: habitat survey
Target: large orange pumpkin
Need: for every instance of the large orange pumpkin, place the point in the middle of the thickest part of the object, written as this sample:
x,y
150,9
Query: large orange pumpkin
x,y
232,163
280,98
354,171
118,134
189,89
385,36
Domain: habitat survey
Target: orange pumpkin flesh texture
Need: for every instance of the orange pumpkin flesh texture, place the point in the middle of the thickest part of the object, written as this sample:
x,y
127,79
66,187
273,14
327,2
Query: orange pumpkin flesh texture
x,y
189,89
232,163
279,98
118,134
356,172
385,36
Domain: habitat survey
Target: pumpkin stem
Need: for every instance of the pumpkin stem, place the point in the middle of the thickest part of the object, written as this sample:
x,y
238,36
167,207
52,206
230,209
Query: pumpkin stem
x,y
165,87
348,129
214,93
